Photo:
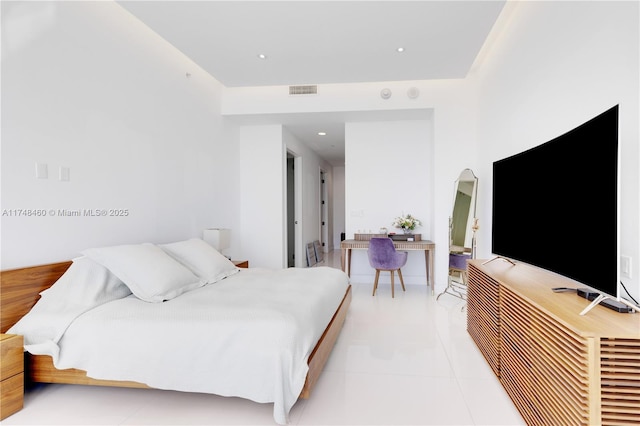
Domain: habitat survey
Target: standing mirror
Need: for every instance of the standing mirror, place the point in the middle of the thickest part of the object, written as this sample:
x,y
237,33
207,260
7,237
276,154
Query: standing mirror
x,y
463,225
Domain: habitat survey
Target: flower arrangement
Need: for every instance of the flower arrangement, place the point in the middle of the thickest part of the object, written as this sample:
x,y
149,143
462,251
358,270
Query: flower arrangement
x,y
406,222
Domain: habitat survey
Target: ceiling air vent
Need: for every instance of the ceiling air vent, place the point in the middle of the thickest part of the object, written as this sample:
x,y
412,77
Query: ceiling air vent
x,y
303,90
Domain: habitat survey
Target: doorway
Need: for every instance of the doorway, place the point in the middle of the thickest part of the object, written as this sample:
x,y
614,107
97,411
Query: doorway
x,y
324,212
291,205
293,240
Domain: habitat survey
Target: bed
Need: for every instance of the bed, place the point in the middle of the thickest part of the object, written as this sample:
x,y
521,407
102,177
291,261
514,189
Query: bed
x,y
258,334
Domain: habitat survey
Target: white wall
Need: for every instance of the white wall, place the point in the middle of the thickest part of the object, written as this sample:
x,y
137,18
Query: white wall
x,y
87,86
339,225
554,66
388,172
262,196
450,107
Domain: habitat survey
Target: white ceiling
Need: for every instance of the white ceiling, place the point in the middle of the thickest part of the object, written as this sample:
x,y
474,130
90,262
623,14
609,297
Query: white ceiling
x,y
323,42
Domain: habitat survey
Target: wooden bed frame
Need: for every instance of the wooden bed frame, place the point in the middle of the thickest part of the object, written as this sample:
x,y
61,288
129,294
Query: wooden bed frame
x,y
20,290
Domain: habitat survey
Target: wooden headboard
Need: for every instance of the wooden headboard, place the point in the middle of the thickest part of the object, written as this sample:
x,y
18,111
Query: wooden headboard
x,y
20,289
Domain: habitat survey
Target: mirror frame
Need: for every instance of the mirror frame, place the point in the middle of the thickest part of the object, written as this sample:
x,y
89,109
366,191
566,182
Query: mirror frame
x,y
466,176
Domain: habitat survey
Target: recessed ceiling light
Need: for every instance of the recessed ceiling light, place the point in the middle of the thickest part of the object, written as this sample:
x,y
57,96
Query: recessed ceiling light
x,y
400,49
262,56
322,133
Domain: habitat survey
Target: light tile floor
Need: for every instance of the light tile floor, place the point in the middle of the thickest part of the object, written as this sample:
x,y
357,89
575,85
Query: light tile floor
x,y
402,361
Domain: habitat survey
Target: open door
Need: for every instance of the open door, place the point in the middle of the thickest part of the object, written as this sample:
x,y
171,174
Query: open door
x,y
324,212
294,250
291,215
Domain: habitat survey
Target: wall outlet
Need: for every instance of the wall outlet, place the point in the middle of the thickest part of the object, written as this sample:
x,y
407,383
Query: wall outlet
x,y
625,266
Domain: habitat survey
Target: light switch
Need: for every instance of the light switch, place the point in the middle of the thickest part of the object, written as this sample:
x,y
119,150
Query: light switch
x,y
65,174
42,171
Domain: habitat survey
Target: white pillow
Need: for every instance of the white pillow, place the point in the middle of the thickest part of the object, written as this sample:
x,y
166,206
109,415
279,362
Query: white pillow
x,y
85,285
202,259
150,273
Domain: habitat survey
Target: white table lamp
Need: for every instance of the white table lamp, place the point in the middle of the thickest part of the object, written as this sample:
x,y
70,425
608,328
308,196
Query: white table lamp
x,y
218,238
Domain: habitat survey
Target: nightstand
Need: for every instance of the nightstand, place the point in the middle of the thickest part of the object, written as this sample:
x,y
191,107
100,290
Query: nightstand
x,y
11,374
241,263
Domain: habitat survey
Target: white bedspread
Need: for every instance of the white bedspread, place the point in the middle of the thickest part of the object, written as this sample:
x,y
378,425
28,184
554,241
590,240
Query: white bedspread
x,y
249,335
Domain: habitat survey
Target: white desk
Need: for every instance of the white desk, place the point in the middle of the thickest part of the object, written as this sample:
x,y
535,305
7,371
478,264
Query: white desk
x,y
427,246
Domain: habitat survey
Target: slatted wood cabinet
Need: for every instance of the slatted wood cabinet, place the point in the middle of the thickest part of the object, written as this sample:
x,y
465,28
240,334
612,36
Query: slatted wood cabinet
x,y
558,367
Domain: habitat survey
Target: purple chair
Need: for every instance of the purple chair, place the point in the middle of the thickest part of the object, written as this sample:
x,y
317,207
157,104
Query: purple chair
x,y
384,257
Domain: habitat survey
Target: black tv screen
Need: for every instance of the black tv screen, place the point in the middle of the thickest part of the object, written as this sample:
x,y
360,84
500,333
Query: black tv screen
x,y
555,206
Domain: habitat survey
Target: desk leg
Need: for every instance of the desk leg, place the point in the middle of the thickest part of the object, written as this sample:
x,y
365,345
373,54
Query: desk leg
x,y
343,259
432,271
428,261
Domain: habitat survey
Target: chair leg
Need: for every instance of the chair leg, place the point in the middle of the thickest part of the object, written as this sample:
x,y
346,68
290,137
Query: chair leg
x,y
392,285
401,280
375,283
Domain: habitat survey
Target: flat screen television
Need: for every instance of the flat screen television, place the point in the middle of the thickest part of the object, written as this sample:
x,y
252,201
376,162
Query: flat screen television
x,y
555,206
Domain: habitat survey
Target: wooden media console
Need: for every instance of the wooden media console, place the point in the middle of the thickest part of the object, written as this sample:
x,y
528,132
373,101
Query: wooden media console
x,y
558,367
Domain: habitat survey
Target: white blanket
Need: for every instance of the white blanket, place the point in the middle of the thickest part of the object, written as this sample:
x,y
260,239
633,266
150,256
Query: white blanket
x,y
249,335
